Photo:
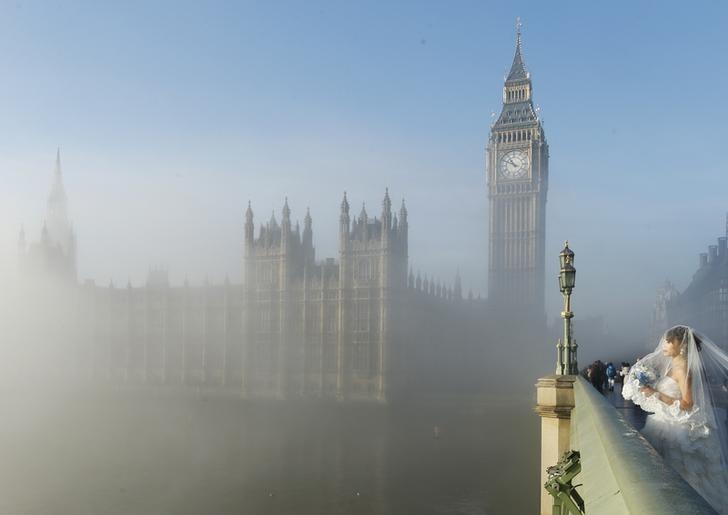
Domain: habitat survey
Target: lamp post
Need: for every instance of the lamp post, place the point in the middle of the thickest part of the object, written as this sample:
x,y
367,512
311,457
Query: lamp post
x,y
566,347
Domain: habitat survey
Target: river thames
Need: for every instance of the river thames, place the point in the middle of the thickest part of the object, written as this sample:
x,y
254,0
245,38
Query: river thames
x,y
130,454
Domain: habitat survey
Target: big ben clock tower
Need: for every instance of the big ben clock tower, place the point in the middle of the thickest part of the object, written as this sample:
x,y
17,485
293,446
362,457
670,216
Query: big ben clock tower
x,y
517,176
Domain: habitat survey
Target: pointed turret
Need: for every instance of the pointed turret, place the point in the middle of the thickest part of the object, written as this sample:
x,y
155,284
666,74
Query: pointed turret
x,y
403,229
518,69
58,192
403,215
307,238
285,227
344,224
386,212
517,91
286,218
307,222
286,213
57,210
249,230
345,206
363,223
307,218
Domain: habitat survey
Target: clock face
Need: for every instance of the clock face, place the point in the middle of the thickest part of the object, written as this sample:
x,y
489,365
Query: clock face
x,y
513,165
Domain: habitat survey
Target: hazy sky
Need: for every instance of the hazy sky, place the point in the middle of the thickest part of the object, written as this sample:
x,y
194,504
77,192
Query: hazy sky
x,y
171,116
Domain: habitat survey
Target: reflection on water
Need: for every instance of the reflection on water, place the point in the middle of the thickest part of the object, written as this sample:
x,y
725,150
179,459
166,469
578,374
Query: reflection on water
x,y
205,456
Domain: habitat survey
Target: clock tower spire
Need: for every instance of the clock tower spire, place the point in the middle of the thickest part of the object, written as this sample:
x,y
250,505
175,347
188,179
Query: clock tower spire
x,y
517,177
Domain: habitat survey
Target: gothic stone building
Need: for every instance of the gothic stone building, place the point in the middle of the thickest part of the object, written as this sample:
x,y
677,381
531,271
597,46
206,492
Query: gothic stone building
x,y
360,327
704,303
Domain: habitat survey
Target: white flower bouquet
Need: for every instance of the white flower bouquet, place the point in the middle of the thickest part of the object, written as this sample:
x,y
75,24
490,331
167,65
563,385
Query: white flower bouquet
x,y
643,374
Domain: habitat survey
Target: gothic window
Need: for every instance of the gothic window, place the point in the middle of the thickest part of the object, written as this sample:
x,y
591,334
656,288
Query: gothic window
x,y
362,316
265,274
363,271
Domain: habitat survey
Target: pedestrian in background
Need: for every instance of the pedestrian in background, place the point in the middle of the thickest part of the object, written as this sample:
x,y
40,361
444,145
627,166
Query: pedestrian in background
x,y
611,374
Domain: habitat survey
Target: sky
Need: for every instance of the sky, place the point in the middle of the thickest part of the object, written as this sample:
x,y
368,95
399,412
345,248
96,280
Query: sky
x,y
171,116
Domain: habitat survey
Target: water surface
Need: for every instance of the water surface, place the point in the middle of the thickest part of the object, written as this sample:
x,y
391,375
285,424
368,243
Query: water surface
x,y
131,454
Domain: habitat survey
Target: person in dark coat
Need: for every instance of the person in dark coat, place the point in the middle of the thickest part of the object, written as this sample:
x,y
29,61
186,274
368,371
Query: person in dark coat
x,y
598,377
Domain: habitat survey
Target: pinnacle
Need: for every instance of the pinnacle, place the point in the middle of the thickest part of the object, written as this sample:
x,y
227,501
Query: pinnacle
x,y
518,68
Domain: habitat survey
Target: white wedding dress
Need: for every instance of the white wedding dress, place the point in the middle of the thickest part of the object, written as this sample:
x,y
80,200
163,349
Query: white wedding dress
x,y
685,440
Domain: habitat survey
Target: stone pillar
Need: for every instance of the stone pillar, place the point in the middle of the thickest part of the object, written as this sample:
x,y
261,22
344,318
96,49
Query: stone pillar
x,y
554,402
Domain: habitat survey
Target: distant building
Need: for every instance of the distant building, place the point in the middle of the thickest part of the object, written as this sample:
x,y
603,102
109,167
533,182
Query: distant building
x,y
517,173
53,256
660,322
360,327
704,303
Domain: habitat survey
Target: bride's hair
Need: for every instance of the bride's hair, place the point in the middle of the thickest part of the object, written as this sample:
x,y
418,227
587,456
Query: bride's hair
x,y
678,334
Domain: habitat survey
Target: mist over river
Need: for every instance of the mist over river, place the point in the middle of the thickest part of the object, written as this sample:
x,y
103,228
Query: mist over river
x,y
131,453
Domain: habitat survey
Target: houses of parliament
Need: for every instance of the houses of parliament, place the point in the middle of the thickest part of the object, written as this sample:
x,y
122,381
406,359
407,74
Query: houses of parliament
x,y
359,327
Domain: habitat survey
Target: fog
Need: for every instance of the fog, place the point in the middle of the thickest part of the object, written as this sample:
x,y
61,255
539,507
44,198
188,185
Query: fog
x,y
169,125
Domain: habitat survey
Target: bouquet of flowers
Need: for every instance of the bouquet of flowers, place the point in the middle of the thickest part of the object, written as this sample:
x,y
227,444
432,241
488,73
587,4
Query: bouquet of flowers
x,y
639,375
643,374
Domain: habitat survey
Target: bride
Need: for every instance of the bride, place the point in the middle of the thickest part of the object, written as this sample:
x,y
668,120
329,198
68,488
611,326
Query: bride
x,y
680,384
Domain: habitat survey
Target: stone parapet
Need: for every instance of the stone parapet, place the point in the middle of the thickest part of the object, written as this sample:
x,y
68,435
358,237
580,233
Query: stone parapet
x,y
554,403
620,471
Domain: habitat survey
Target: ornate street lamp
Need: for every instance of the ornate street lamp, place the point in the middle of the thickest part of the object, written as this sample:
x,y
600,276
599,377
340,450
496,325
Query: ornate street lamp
x,y
566,347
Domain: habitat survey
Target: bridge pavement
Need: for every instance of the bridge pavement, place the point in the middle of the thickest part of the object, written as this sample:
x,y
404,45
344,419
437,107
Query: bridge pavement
x,y
632,414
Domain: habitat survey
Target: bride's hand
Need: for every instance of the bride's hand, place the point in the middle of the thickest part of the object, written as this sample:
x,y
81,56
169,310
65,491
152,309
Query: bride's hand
x,y
647,391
